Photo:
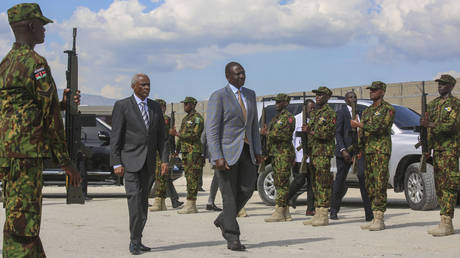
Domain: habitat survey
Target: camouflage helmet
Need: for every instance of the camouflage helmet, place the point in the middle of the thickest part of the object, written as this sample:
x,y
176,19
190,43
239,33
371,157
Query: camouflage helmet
x,y
323,90
282,97
26,11
161,102
377,85
189,100
447,79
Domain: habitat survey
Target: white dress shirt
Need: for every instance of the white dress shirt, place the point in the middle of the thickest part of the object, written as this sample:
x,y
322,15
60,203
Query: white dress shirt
x,y
297,141
235,91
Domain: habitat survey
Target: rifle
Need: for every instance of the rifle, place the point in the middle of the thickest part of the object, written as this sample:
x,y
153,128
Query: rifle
x,y
172,139
73,123
423,138
354,139
304,139
263,138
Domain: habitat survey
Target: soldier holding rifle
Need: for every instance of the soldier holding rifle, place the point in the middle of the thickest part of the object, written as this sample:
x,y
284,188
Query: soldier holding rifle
x,y
281,151
32,130
443,122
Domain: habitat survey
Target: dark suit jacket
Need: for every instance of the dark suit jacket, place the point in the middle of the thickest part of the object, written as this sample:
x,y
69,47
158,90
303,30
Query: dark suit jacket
x,y
343,130
131,143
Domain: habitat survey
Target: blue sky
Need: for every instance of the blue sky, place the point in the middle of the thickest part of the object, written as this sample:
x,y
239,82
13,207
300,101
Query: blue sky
x,y
285,46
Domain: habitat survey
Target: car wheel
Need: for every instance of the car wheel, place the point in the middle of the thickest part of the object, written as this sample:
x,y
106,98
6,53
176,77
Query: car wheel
x,y
419,188
266,186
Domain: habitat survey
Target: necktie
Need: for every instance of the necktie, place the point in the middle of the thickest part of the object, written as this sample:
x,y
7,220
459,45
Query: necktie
x,y
243,108
145,116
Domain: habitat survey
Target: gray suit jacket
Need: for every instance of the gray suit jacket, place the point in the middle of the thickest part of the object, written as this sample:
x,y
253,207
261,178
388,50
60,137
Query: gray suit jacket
x,y
225,125
131,143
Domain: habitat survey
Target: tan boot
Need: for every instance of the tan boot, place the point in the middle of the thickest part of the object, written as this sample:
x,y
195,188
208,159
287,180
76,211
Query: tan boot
x,y
323,219
189,207
156,206
287,214
378,222
367,225
445,228
163,204
242,213
314,219
277,215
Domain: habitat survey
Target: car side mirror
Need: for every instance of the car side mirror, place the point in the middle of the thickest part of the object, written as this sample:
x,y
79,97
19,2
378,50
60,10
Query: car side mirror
x,y
104,136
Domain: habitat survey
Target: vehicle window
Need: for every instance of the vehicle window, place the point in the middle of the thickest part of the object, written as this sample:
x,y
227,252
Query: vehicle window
x,y
270,111
91,132
406,118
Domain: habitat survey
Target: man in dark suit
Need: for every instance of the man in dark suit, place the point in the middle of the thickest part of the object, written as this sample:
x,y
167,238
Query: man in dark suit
x,y
232,132
137,134
344,159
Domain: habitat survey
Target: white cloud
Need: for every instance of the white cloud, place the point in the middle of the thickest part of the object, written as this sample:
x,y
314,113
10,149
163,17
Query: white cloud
x,y
109,91
453,73
418,29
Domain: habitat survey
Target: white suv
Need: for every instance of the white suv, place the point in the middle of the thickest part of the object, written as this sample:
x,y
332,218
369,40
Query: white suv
x,y
418,187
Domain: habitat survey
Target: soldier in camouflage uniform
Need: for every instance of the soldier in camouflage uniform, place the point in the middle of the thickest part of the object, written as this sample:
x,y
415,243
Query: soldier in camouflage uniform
x,y
375,142
31,129
321,136
189,145
281,152
443,122
162,182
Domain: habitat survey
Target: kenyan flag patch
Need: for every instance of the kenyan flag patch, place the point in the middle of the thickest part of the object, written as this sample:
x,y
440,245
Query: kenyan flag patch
x,y
40,73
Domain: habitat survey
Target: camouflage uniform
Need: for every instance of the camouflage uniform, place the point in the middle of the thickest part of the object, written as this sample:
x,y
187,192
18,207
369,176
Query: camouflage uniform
x,y
444,139
162,180
281,150
375,141
190,146
322,145
31,129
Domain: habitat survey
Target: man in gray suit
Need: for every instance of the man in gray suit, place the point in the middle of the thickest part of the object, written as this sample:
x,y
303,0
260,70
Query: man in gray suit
x,y
232,132
137,134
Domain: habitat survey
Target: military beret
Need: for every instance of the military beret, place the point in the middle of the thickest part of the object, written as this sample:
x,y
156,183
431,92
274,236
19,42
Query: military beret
x,y
161,102
323,90
282,97
189,100
26,11
377,85
447,79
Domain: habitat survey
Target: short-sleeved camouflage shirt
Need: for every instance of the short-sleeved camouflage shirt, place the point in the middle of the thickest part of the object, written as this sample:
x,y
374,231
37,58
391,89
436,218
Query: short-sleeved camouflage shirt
x,y
322,125
445,113
376,134
279,139
190,132
31,124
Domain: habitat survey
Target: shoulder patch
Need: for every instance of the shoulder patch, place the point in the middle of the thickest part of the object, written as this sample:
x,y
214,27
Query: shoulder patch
x,y
40,73
290,120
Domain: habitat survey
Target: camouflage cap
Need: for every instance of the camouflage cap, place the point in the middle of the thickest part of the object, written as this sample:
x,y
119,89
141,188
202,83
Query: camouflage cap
x,y
189,100
161,102
323,90
447,79
282,97
26,11
377,85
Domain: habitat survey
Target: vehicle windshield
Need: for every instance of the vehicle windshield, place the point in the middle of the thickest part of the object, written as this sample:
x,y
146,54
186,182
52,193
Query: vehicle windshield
x,y
405,118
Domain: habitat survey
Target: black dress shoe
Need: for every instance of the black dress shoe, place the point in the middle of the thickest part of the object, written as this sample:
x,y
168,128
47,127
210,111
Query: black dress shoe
x,y
134,248
201,189
235,245
221,227
176,204
333,216
87,198
369,217
212,207
144,248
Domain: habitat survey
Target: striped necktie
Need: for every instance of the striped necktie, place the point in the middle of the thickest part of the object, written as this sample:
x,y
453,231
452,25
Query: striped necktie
x,y
145,116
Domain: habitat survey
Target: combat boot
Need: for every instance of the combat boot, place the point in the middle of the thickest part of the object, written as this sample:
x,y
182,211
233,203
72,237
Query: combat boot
x,y
323,219
189,207
163,204
242,213
314,219
277,215
287,214
378,222
156,206
445,228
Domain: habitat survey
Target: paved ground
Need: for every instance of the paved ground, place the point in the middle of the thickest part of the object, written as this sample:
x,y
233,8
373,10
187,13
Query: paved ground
x,y
100,229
